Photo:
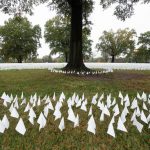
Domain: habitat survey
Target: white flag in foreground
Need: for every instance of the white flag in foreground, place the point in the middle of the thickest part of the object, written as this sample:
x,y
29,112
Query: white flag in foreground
x,y
138,125
91,125
120,125
2,127
14,113
62,124
41,121
110,130
21,127
76,123
5,122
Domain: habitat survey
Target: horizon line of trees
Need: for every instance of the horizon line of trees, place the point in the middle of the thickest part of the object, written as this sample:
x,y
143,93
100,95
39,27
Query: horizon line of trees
x,y
19,40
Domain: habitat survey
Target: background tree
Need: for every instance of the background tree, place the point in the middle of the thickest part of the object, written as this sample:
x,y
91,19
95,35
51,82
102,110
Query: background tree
x,y
47,58
105,56
144,40
143,52
19,39
57,34
87,43
141,55
116,43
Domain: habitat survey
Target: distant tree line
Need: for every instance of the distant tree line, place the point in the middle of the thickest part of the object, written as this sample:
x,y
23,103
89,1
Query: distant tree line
x,y
121,44
19,41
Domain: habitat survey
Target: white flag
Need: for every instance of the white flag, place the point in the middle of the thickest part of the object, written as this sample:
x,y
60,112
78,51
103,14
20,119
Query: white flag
x,y
21,127
91,125
120,125
62,124
5,122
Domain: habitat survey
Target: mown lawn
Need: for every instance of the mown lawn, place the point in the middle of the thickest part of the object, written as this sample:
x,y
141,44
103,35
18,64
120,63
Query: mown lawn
x,y
43,82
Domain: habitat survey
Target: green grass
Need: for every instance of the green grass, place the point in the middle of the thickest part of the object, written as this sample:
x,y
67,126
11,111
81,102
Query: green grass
x,y
43,82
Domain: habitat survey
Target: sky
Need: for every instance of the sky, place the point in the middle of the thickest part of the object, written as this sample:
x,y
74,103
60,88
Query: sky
x,y
101,19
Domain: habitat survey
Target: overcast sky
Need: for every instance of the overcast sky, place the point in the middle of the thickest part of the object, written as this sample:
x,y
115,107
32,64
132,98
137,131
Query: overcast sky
x,y
102,20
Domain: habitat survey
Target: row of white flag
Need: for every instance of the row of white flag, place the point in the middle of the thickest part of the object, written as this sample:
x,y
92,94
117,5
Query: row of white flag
x,y
92,72
107,106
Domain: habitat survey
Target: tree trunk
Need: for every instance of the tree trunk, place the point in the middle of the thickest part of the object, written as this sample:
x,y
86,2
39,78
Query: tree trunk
x,y
19,59
75,55
113,59
66,56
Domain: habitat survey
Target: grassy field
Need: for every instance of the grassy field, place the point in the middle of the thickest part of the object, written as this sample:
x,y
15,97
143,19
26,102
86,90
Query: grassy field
x,y
43,82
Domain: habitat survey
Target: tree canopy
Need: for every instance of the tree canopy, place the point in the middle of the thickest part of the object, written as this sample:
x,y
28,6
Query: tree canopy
x,y
142,54
19,39
57,34
123,8
115,43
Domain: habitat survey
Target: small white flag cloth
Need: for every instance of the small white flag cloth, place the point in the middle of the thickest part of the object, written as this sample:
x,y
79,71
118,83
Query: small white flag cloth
x,y
22,96
120,95
143,117
110,130
76,123
91,125
2,127
4,96
39,101
144,106
90,111
102,117
21,127
83,106
138,125
116,110
23,101
134,104
16,105
106,111
46,111
50,106
32,113
62,124
78,103
94,100
54,97
5,122
27,108
120,125
41,121
57,114
71,115
14,113
31,119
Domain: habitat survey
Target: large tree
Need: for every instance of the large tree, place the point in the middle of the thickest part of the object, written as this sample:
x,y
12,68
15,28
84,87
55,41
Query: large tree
x,y
78,9
144,40
115,43
142,54
57,34
20,39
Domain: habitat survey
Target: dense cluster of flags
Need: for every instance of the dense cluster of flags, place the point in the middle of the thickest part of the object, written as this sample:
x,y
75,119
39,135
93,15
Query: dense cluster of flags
x,y
91,65
118,109
92,72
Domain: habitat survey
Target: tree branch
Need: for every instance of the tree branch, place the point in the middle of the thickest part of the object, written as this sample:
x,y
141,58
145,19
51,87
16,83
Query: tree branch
x,y
69,2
